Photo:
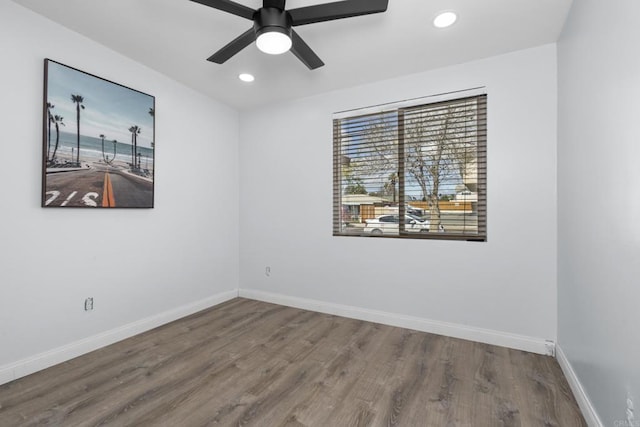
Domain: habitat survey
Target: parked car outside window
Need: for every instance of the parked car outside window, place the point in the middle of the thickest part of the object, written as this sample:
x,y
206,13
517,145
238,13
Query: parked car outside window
x,y
390,224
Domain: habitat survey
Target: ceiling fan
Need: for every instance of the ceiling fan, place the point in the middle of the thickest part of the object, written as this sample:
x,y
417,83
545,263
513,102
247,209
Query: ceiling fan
x,y
272,25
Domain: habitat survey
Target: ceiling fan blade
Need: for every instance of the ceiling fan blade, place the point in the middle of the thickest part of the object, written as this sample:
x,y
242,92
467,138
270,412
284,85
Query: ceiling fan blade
x,y
278,4
242,41
304,53
336,10
229,6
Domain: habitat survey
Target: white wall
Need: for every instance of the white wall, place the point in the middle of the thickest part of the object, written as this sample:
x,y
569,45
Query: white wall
x,y
135,263
599,202
507,284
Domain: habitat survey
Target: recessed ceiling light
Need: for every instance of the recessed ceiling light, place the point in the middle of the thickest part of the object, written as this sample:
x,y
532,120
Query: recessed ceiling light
x,y
246,77
445,19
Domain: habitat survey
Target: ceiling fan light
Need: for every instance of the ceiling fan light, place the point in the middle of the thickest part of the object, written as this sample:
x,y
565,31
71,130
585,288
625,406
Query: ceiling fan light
x,y
273,42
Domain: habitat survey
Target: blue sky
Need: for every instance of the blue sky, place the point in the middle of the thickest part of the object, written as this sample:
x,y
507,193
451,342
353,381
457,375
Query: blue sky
x,y
110,109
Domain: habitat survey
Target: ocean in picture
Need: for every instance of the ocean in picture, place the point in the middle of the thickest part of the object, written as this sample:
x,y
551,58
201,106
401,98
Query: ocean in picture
x,y
91,150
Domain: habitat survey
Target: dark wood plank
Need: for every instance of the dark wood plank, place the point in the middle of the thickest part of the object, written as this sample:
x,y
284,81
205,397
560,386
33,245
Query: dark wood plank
x,y
251,363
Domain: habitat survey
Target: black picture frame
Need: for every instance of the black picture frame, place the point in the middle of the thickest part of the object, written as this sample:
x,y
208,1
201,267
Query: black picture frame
x,y
98,142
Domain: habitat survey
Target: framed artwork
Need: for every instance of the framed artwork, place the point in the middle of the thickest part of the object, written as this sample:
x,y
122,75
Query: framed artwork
x,y
99,142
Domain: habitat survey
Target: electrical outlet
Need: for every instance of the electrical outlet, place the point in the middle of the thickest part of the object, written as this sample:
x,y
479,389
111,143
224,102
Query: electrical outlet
x,y
88,304
267,271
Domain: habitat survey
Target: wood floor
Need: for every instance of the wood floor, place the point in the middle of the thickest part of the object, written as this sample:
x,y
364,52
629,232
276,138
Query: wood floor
x,y
251,363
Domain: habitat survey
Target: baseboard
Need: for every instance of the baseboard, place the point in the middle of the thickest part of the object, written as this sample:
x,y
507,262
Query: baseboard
x,y
61,354
588,411
488,336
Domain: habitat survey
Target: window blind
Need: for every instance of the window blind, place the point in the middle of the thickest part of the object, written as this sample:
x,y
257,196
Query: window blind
x,y
417,171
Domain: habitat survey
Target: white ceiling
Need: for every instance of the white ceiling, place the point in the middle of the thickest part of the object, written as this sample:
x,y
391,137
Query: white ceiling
x,y
175,37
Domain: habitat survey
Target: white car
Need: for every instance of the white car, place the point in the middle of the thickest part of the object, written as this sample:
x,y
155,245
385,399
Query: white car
x,y
390,224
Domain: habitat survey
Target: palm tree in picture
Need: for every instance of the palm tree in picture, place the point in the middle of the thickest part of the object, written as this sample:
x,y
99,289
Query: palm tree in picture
x,y
57,121
135,146
50,106
102,138
135,131
152,113
115,142
78,100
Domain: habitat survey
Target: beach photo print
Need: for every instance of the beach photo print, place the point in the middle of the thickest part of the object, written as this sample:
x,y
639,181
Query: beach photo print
x,y
98,142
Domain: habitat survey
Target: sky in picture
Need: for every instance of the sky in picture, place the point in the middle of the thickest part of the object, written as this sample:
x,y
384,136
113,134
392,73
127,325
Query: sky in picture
x,y
109,109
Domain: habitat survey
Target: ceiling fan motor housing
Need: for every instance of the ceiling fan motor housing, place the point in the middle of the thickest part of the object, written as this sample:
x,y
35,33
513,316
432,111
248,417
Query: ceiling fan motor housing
x,y
271,19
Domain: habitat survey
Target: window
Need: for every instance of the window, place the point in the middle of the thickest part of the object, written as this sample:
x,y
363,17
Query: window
x,y
414,171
